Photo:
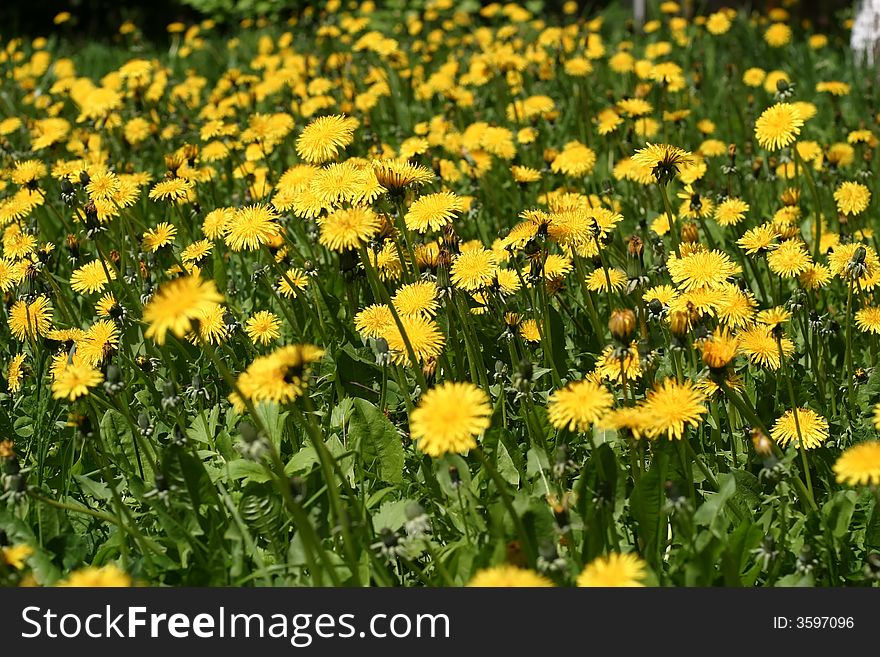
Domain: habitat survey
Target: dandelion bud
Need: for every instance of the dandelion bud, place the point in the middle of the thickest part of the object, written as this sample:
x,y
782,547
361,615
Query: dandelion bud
x,y
872,566
84,178
689,232
718,349
635,246
297,487
525,370
248,432
762,443
790,196
560,513
622,323
429,368
678,323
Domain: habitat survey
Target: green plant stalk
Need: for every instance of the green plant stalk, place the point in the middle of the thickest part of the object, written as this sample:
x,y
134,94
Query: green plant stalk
x,y
311,541
746,411
848,354
802,448
588,299
379,289
811,182
508,504
336,505
673,229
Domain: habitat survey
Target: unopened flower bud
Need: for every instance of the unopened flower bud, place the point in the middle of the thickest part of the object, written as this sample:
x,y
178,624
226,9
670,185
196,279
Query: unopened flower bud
x,y
678,323
622,323
762,443
635,246
689,232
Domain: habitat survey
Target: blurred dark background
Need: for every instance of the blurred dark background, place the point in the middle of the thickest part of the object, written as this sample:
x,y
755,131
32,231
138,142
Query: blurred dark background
x,y
100,19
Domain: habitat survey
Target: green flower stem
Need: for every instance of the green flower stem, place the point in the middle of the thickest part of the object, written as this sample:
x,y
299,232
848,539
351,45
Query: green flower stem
x,y
848,367
547,334
284,309
508,504
673,229
384,297
802,448
747,412
104,517
400,223
245,533
588,299
817,212
122,511
543,326
311,541
327,460
471,342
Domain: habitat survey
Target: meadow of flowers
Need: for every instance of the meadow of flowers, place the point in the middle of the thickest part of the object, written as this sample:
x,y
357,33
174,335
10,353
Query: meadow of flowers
x,y
456,296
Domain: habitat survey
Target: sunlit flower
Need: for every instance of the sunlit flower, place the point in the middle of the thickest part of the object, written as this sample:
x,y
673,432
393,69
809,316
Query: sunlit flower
x,y
322,139
449,418
670,407
433,211
177,304
614,570
578,406
97,576
251,226
852,198
263,327
803,426
778,126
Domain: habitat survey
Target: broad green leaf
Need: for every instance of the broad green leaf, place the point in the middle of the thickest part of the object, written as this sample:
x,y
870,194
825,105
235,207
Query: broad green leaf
x,y
377,442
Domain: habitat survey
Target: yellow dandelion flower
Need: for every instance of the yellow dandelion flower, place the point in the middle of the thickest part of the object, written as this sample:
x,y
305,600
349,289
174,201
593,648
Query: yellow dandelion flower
x,y
670,407
92,277
859,465
852,198
252,226
322,139
803,426
30,319
175,190
474,269
15,373
759,345
177,304
348,229
449,418
92,577
433,211
701,269
419,298
614,570
162,235
424,336
578,405
663,161
778,126
263,327
74,381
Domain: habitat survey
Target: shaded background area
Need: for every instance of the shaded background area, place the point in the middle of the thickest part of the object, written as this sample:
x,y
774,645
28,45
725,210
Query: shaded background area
x,y
100,19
